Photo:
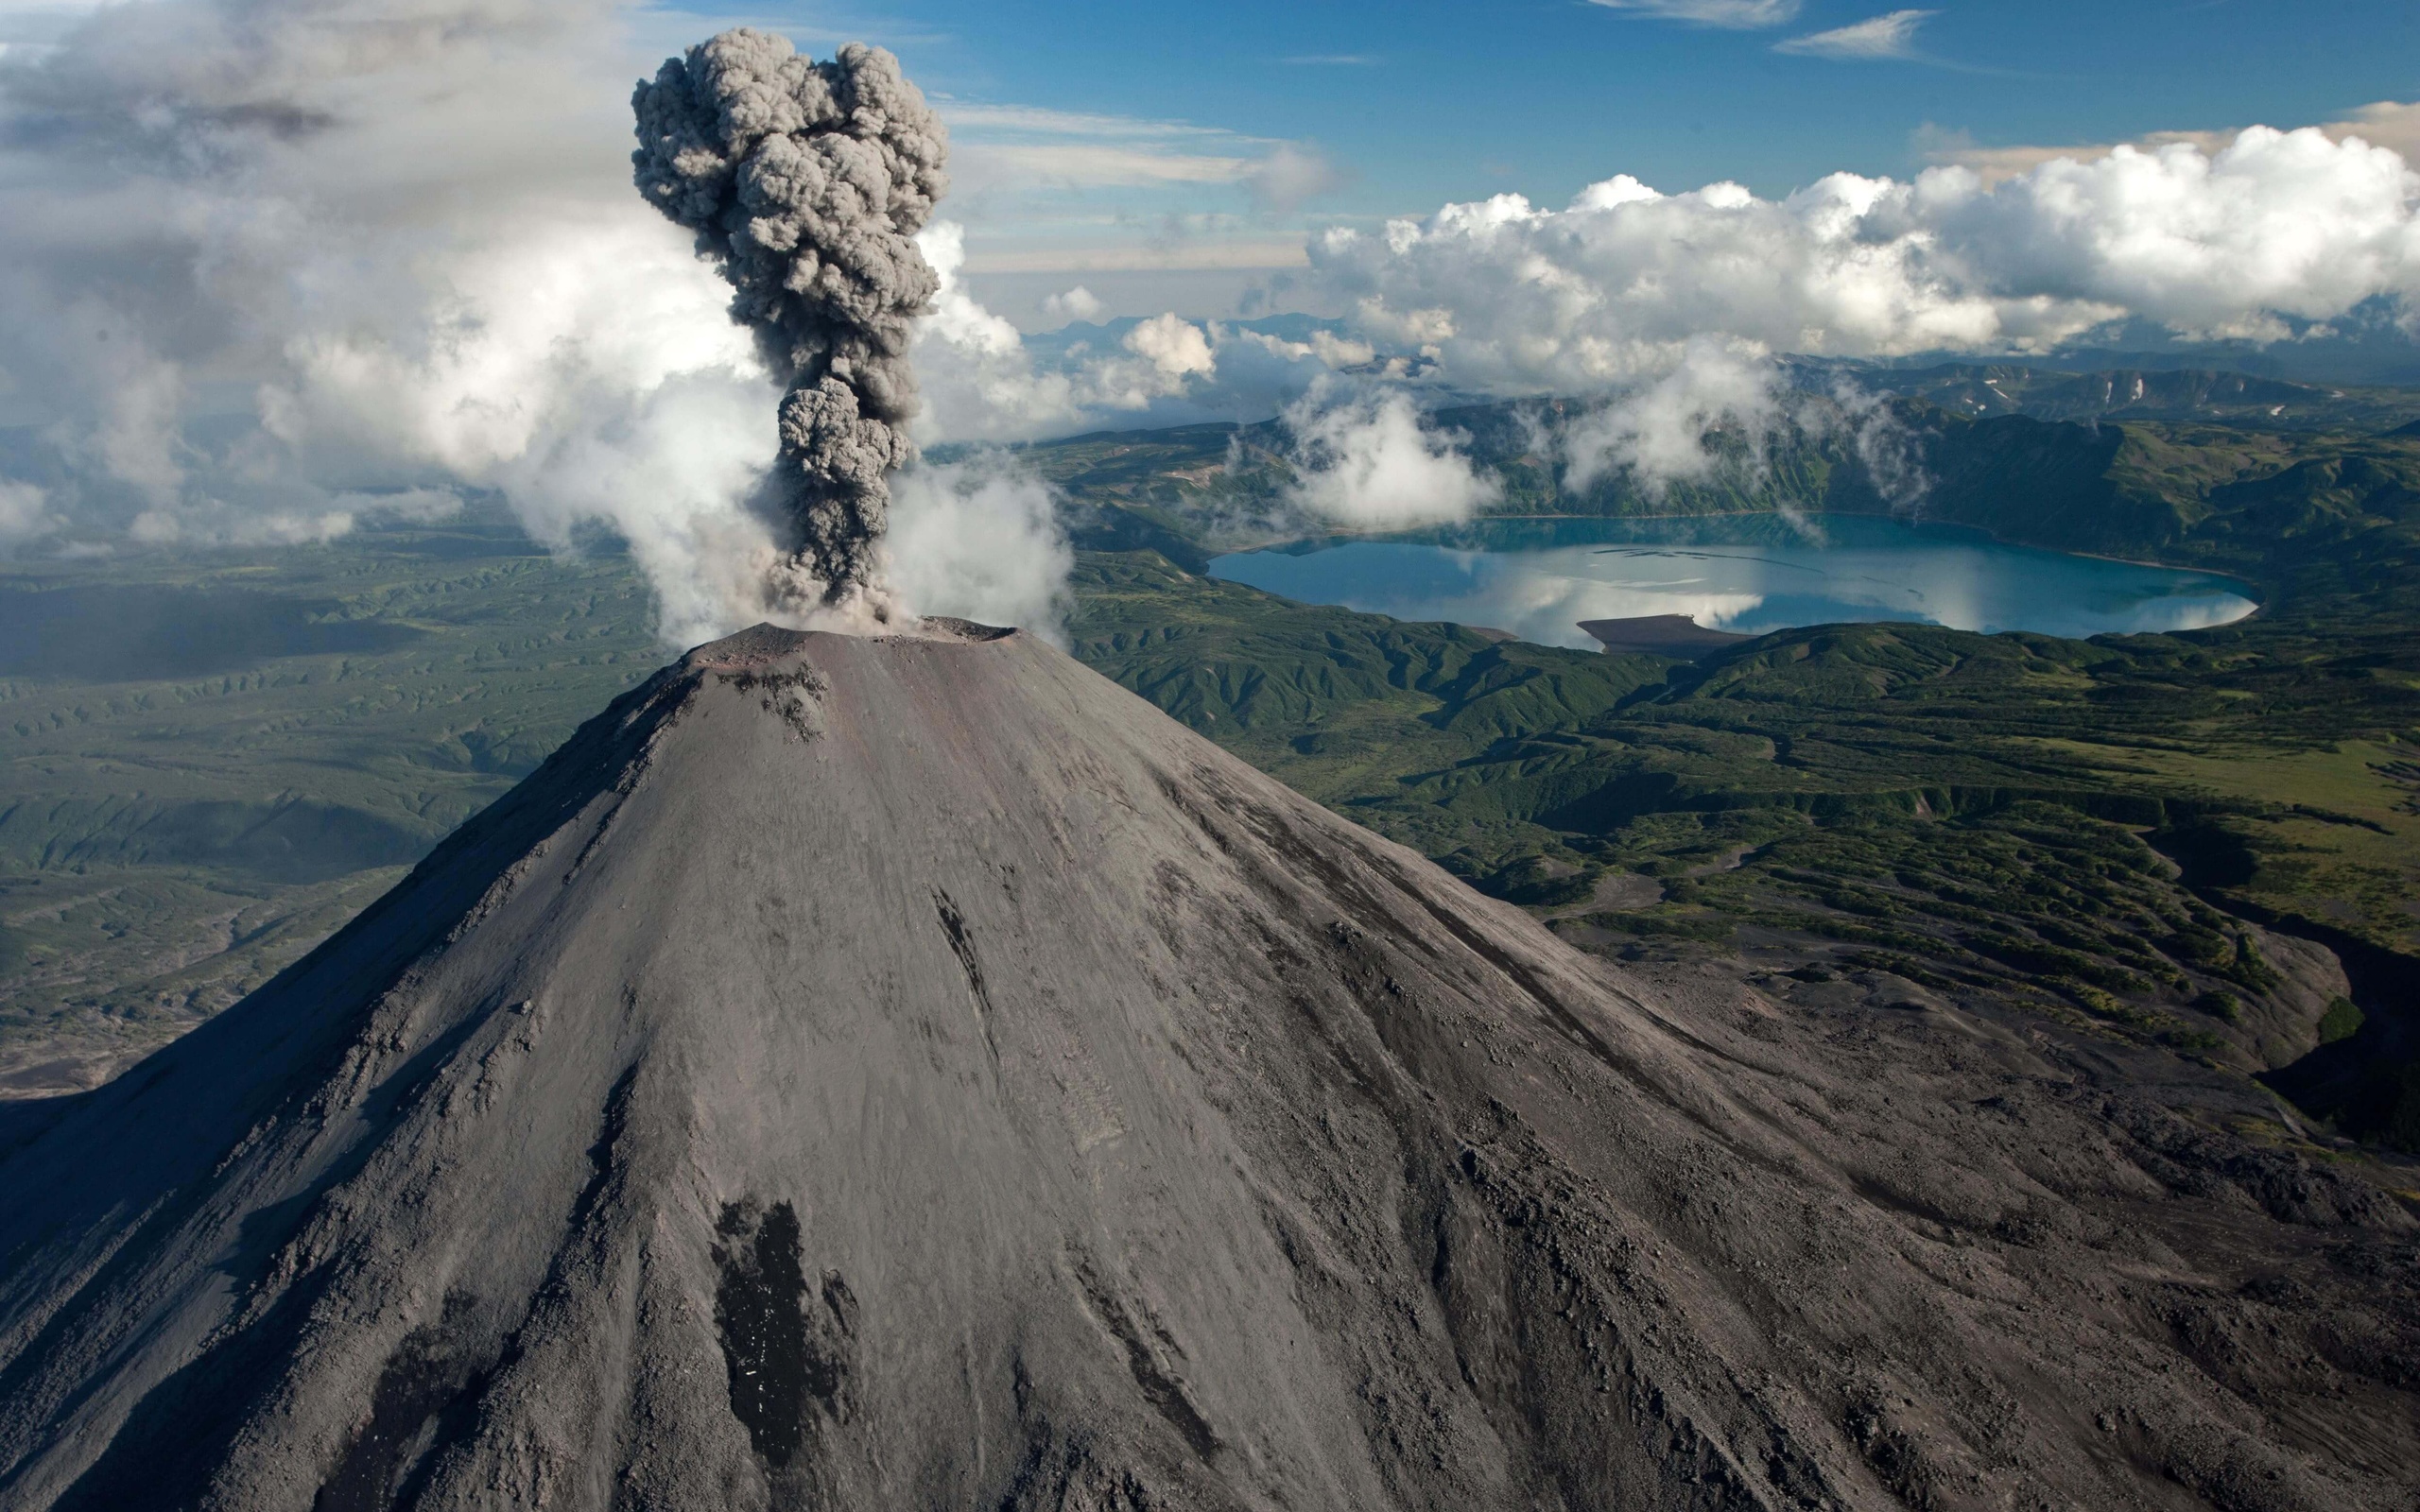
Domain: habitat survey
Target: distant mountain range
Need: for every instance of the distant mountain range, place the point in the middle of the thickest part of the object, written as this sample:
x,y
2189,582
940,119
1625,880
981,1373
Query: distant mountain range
x,y
2134,392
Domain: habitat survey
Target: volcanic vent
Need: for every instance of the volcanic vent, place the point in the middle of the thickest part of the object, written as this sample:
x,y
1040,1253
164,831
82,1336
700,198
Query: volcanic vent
x,y
914,1073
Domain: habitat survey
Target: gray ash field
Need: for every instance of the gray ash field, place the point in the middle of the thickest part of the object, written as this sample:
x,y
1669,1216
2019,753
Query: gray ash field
x,y
917,1072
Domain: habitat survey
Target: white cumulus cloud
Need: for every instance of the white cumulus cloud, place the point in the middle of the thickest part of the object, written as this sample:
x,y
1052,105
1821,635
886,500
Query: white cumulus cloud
x,y
979,383
1077,304
1657,430
24,512
1365,459
1166,357
2273,227
2391,124
1290,175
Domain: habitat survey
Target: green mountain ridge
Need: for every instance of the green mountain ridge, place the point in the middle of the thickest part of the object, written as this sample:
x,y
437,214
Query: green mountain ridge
x,y
2251,503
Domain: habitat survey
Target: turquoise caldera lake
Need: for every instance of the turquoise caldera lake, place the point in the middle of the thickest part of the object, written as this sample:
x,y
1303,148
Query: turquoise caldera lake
x,y
1749,573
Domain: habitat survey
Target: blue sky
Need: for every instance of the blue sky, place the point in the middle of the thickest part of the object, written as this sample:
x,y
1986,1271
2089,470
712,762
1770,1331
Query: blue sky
x,y
1417,103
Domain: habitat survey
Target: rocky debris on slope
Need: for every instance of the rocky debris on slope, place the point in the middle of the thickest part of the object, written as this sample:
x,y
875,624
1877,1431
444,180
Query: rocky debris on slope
x,y
914,1071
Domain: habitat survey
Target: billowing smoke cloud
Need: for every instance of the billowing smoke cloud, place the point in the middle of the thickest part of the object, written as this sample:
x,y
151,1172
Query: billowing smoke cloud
x,y
269,273
807,182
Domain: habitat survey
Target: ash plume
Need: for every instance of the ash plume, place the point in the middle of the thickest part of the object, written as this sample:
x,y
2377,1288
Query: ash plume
x,y
806,184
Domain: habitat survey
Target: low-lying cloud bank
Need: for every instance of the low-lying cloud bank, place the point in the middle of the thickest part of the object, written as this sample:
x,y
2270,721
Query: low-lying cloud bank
x,y
268,271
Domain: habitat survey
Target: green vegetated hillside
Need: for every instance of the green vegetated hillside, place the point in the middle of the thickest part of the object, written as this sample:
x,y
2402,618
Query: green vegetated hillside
x,y
2132,833
2185,394
2182,482
207,764
210,764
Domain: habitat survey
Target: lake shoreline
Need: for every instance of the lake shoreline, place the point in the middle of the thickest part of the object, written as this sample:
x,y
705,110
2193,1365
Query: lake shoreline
x,y
1526,570
1986,532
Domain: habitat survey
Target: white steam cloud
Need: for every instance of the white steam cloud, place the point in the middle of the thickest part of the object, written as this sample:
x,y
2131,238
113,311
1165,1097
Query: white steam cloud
x,y
267,273
980,540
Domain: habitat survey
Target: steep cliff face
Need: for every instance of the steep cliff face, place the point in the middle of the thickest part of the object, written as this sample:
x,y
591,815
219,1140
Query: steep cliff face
x,y
916,1073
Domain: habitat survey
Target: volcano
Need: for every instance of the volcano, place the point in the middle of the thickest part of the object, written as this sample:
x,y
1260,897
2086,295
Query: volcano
x,y
912,1071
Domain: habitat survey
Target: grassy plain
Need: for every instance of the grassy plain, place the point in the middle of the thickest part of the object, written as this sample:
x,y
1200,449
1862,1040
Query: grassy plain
x,y
208,764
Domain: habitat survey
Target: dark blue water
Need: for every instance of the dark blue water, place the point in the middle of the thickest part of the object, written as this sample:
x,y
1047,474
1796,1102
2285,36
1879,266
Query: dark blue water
x,y
1538,578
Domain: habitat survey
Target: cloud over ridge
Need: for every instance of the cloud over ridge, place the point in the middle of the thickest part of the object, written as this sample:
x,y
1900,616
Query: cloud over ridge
x,y
2275,230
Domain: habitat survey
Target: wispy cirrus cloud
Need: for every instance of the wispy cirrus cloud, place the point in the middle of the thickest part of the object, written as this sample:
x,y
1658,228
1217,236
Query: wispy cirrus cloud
x,y
1070,149
1889,35
1067,191
1736,16
1036,120
997,145
1097,164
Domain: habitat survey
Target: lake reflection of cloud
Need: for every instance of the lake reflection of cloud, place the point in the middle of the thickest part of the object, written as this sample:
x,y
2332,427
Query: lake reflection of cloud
x,y
1540,607
1872,570
1547,608
2161,616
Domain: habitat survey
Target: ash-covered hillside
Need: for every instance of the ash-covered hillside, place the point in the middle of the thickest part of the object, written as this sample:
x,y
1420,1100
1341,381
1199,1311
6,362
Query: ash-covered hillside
x,y
915,1072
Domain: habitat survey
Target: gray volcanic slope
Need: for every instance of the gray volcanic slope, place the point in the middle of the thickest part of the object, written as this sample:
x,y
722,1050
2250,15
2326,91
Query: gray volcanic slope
x,y
914,1073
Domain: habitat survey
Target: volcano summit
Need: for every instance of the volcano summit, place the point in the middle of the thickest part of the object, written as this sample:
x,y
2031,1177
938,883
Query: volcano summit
x,y
914,1072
